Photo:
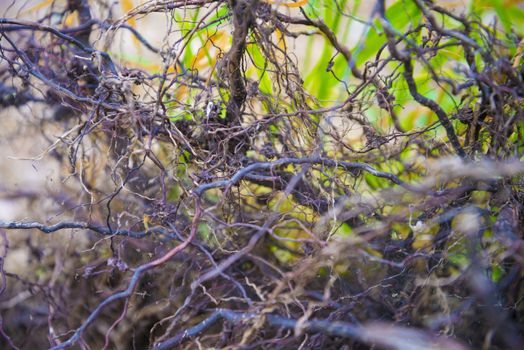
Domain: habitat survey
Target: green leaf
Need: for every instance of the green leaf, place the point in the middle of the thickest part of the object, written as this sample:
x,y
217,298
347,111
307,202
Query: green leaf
x,y
401,14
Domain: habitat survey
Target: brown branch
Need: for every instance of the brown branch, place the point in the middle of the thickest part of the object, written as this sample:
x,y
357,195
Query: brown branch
x,y
232,66
442,116
137,275
330,36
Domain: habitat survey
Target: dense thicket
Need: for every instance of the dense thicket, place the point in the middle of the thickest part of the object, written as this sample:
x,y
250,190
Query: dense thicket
x,y
254,174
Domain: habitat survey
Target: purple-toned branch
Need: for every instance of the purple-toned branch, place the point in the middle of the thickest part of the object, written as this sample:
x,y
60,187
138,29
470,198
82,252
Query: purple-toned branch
x,y
137,275
244,172
18,225
381,334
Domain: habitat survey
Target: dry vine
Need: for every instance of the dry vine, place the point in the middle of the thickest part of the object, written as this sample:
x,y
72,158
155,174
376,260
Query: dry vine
x,y
227,214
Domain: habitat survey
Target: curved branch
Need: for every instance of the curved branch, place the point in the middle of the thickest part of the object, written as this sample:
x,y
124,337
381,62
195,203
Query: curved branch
x,y
137,275
242,22
239,175
423,100
28,25
375,333
19,225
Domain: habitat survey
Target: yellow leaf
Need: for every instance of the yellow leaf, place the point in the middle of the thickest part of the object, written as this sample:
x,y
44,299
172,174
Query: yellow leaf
x,y
37,7
127,6
71,19
298,3
519,55
215,40
281,40
146,220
